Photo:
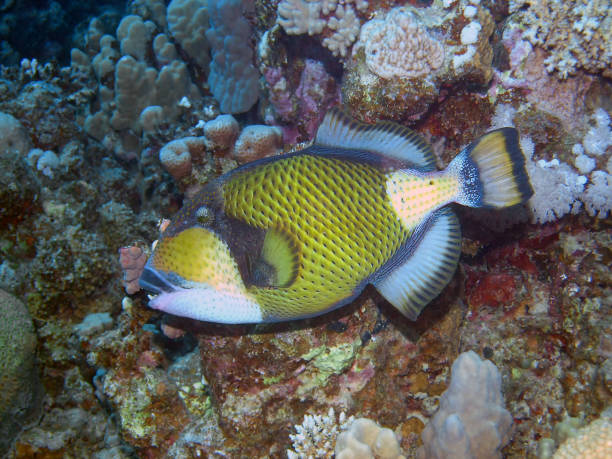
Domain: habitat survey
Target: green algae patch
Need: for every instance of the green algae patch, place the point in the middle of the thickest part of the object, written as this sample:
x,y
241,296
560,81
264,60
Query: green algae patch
x,y
327,361
336,359
269,380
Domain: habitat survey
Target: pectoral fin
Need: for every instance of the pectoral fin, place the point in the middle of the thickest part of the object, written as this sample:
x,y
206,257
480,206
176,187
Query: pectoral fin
x,y
427,269
277,264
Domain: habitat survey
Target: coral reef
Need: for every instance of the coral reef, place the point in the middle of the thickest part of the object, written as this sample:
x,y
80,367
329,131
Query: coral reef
x,y
85,173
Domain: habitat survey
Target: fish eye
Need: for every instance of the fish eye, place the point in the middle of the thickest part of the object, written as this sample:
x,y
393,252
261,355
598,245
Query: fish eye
x,y
204,215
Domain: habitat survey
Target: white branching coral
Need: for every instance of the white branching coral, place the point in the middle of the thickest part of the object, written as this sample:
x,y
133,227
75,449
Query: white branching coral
x,y
309,16
316,436
557,189
599,137
398,44
576,34
346,26
300,16
598,195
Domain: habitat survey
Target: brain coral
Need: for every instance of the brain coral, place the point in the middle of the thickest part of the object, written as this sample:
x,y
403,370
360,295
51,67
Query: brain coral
x,y
19,384
397,44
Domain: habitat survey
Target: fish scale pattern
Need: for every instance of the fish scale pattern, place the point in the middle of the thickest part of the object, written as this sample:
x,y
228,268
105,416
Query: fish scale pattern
x,y
339,214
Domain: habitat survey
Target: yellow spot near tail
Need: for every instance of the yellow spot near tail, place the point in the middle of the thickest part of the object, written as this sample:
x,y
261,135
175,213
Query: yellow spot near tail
x,y
413,197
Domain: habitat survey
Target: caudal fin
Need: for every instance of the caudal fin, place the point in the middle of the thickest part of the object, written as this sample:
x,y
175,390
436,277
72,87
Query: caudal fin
x,y
491,171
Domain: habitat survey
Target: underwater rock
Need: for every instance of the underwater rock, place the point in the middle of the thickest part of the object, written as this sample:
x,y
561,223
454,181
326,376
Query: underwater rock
x,y
18,187
553,336
356,360
20,389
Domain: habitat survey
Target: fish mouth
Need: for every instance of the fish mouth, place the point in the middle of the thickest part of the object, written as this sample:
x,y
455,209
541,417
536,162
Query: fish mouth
x,y
156,282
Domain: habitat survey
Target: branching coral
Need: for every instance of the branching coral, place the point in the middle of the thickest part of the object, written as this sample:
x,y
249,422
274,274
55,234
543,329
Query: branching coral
x,y
303,16
576,34
316,436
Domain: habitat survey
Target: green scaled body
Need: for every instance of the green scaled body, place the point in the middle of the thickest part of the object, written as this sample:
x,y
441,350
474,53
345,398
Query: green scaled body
x,y
338,216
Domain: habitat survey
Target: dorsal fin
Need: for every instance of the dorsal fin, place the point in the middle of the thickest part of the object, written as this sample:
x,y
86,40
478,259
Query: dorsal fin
x,y
384,138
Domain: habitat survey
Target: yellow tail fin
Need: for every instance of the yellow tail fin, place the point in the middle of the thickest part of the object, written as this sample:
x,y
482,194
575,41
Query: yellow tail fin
x,y
491,171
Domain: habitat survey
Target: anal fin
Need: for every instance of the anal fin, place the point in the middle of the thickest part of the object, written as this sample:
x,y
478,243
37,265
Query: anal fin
x,y
427,269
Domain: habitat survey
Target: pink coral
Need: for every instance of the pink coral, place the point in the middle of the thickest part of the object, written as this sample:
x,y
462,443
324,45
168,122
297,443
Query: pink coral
x,y
299,110
132,260
313,95
280,96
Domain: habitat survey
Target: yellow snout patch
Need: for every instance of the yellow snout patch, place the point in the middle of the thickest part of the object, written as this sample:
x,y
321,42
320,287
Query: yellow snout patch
x,y
198,255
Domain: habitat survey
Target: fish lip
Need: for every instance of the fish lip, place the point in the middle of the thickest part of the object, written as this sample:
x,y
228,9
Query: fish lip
x,y
156,282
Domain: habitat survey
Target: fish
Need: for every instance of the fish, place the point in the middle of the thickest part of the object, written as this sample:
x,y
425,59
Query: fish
x,y
297,235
